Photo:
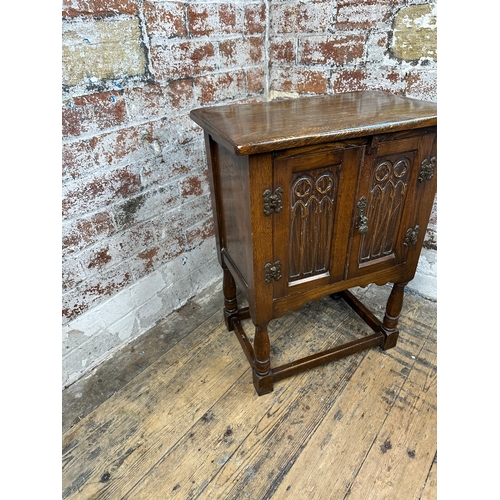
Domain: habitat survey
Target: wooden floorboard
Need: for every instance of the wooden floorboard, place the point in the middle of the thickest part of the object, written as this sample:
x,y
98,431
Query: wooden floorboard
x,y
183,421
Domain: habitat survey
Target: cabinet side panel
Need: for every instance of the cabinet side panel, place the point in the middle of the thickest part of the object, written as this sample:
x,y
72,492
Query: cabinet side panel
x,y
425,191
235,224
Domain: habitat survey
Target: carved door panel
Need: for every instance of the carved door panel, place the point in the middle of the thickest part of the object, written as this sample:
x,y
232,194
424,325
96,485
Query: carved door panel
x,y
311,231
383,227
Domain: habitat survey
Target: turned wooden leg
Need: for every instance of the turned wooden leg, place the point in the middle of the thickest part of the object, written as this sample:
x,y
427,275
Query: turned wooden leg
x,y
230,304
262,377
392,312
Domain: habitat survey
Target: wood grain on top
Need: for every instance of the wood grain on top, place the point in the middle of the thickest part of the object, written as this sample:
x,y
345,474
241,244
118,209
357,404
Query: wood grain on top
x,y
269,126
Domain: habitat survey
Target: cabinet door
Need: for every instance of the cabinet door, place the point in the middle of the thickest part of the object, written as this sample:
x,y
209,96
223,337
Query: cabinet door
x,y
311,231
385,204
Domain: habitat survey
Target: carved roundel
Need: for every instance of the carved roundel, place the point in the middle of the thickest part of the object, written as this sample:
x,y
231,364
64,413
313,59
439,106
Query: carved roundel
x,y
401,168
324,183
302,187
383,171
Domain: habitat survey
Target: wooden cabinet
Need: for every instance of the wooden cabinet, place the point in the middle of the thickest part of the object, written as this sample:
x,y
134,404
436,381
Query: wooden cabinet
x,y
313,196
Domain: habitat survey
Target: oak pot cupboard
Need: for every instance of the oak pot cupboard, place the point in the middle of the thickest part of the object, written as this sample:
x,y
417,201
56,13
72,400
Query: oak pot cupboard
x,y
313,196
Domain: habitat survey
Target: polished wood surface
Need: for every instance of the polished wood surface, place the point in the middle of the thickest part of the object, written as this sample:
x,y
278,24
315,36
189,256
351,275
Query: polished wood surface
x,y
346,206
174,414
268,126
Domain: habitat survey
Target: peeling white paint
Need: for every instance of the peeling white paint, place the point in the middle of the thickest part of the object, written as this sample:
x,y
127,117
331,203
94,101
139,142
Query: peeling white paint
x,y
105,329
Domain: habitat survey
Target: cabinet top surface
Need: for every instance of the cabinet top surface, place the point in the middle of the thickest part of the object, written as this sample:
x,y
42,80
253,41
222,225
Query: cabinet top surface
x,y
269,126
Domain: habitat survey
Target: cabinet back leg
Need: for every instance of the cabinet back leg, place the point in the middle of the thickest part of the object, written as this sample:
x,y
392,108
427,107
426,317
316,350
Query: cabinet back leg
x,y
391,317
230,303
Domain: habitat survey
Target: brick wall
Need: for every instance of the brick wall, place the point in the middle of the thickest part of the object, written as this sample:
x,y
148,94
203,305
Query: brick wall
x,y
324,46
137,226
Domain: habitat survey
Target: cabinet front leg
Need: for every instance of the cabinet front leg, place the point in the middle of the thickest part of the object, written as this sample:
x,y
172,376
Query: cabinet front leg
x,y
230,304
392,312
262,377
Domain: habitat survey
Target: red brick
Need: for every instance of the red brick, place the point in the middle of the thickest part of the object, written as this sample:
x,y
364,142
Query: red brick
x,y
301,17
151,258
422,85
282,50
165,19
227,19
84,231
332,49
187,157
73,305
255,80
255,19
72,8
302,80
146,102
191,186
354,3
213,88
173,225
190,214
102,224
197,235
100,190
205,19
202,19
72,273
77,159
183,59
118,146
174,131
93,113
148,257
195,185
357,15
131,241
95,290
74,238
171,247
351,80
241,52
99,258
178,162
180,93
363,79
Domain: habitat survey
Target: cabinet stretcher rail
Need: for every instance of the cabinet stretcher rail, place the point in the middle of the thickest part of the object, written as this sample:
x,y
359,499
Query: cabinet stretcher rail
x,y
320,358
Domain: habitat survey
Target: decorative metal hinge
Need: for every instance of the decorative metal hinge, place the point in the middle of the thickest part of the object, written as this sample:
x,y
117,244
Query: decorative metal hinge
x,y
411,236
273,271
273,202
362,220
427,169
